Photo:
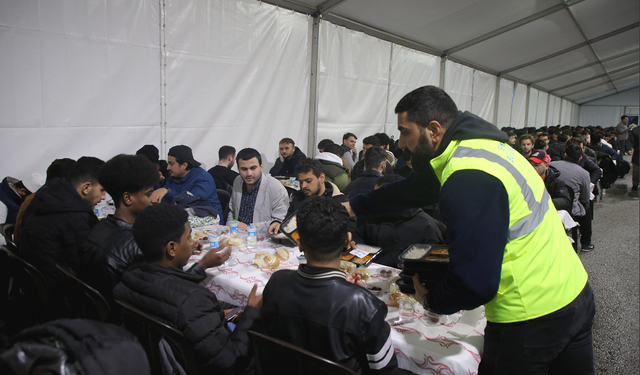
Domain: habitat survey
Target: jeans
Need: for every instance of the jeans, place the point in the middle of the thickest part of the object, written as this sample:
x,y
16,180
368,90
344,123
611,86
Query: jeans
x,y
558,343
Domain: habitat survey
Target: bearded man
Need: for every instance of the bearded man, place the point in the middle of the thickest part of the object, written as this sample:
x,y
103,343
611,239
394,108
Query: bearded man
x,y
507,246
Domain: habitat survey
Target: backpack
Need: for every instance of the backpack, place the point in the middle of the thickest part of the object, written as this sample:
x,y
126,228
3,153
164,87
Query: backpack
x,y
609,170
623,167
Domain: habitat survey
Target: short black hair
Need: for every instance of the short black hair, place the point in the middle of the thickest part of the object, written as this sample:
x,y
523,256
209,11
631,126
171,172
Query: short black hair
x,y
573,151
287,140
348,135
543,134
334,149
324,143
248,154
309,165
384,138
225,151
373,157
596,138
322,225
540,144
372,140
156,226
388,178
59,168
127,174
85,170
623,117
562,137
426,104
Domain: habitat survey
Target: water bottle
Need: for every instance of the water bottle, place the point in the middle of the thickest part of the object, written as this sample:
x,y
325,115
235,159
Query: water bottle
x,y
233,224
252,240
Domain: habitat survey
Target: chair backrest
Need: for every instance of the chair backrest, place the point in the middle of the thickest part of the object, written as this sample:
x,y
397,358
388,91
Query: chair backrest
x,y
31,283
224,198
6,230
269,353
150,330
86,301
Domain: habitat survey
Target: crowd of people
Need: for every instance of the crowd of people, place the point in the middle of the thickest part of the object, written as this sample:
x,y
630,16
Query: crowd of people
x,y
454,165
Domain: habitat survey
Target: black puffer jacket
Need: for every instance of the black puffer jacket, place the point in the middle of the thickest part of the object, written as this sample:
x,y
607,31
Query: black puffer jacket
x,y
75,346
316,309
330,190
106,253
394,233
55,223
288,167
175,297
557,190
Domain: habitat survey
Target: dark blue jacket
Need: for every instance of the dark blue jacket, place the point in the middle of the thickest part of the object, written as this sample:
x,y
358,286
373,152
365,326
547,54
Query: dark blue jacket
x,y
11,199
363,184
198,182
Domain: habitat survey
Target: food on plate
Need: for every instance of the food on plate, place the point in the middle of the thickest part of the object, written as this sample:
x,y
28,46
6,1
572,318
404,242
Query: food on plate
x,y
271,260
280,236
291,225
200,235
234,240
440,251
364,274
259,262
395,297
415,253
347,257
282,254
374,288
347,266
364,260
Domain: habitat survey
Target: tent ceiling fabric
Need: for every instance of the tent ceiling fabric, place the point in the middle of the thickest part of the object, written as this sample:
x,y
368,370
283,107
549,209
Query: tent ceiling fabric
x,y
576,47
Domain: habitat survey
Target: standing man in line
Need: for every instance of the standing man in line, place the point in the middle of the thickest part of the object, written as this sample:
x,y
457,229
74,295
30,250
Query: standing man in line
x,y
507,246
622,130
349,147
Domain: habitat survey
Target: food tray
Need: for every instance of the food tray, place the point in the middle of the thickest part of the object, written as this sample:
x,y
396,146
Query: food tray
x,y
372,251
290,228
432,253
427,281
281,238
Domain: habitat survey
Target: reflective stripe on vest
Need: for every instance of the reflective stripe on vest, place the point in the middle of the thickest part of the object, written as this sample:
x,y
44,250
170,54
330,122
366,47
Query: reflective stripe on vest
x,y
538,209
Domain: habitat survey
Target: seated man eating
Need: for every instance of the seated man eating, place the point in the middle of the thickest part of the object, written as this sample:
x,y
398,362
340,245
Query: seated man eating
x,y
160,287
317,309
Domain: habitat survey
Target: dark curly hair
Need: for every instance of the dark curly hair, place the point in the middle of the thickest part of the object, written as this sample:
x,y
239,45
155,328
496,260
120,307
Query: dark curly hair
x,y
127,174
322,225
156,226
309,165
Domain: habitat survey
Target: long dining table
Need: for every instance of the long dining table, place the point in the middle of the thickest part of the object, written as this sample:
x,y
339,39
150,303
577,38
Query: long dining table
x,y
453,345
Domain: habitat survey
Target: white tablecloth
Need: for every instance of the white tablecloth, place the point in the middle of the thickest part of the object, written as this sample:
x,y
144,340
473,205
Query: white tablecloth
x,y
453,346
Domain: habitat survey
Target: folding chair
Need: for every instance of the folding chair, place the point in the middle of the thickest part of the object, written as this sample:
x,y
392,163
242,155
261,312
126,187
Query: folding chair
x,y
150,331
86,301
269,353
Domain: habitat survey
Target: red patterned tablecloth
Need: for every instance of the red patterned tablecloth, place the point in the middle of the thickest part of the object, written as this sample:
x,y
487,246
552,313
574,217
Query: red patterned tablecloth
x,y
453,346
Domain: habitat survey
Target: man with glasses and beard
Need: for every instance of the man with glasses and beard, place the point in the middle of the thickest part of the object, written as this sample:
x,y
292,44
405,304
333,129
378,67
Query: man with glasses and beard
x,y
507,246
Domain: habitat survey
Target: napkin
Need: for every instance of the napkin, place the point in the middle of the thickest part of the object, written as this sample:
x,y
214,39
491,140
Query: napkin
x,y
467,322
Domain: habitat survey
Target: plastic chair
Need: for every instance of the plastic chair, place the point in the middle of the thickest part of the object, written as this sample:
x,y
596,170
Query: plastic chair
x,y
31,283
270,351
86,301
224,197
150,331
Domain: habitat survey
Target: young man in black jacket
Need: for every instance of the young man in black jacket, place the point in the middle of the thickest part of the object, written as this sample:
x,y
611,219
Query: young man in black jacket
x,y
290,156
161,288
557,189
110,248
317,308
59,217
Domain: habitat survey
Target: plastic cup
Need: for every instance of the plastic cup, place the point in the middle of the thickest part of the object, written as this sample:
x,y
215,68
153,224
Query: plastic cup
x,y
406,308
233,224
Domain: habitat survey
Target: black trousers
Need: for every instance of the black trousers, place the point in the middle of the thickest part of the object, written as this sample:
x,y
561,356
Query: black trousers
x,y
557,343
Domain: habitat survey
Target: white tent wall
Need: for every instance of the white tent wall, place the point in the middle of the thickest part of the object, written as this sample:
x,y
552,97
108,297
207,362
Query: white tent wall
x,y
519,106
604,116
541,113
78,78
458,83
237,73
410,69
566,112
484,95
532,119
575,115
353,83
553,112
505,101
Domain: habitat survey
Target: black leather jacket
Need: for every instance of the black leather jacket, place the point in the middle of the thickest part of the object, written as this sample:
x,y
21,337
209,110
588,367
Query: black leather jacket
x,y
106,253
317,309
